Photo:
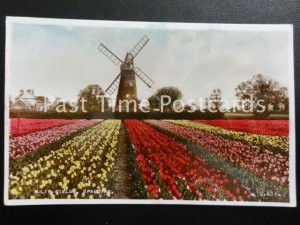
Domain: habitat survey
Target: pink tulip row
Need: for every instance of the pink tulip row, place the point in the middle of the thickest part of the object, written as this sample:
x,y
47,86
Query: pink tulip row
x,y
261,162
22,145
161,157
21,126
266,127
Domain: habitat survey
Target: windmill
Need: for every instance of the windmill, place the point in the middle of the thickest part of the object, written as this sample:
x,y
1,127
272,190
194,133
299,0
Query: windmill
x,y
125,81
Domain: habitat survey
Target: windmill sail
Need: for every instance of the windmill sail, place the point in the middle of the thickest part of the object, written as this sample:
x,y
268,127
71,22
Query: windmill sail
x,y
111,56
125,82
113,86
139,46
147,80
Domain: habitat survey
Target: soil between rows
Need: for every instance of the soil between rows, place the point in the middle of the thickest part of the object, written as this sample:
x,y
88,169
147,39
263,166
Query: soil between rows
x,y
124,183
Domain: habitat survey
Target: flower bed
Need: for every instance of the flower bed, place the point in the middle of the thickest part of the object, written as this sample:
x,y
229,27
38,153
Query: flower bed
x,y
22,145
170,170
272,143
83,163
21,126
259,161
266,127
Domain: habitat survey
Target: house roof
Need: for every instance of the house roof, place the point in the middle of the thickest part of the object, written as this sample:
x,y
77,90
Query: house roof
x,y
27,96
27,102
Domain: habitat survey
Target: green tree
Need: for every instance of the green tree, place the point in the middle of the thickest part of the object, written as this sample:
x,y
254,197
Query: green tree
x,y
92,97
173,92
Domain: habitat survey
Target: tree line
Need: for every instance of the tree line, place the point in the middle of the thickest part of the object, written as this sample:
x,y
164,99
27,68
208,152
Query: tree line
x,y
256,89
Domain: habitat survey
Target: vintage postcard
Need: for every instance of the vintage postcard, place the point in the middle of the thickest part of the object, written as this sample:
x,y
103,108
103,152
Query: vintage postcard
x,y
111,112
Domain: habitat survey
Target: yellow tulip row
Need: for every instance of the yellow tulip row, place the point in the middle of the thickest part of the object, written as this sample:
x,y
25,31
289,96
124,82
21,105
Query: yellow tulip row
x,y
82,164
277,143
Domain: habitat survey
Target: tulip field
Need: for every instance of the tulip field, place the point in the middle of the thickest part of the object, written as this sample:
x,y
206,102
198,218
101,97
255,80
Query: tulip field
x,y
215,160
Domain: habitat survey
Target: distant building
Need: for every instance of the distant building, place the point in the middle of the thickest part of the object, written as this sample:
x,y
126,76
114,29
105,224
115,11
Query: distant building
x,y
281,106
270,107
26,100
277,107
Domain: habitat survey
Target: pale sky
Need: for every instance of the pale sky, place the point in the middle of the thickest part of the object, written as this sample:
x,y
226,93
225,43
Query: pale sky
x,y
57,58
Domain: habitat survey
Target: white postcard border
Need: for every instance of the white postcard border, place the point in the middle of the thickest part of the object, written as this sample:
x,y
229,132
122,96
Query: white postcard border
x,y
154,25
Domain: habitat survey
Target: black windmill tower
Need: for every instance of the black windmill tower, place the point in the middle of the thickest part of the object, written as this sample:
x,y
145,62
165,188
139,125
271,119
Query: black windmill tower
x,y
125,81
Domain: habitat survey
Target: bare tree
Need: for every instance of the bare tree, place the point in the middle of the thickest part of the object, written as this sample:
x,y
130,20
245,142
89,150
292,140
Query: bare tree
x,y
260,87
216,99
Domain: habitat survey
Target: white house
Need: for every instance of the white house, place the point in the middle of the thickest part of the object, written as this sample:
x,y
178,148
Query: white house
x,y
26,100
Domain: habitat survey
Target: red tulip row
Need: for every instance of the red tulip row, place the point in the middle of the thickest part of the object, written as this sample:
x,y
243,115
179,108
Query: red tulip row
x,y
22,145
261,162
266,127
21,126
168,166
